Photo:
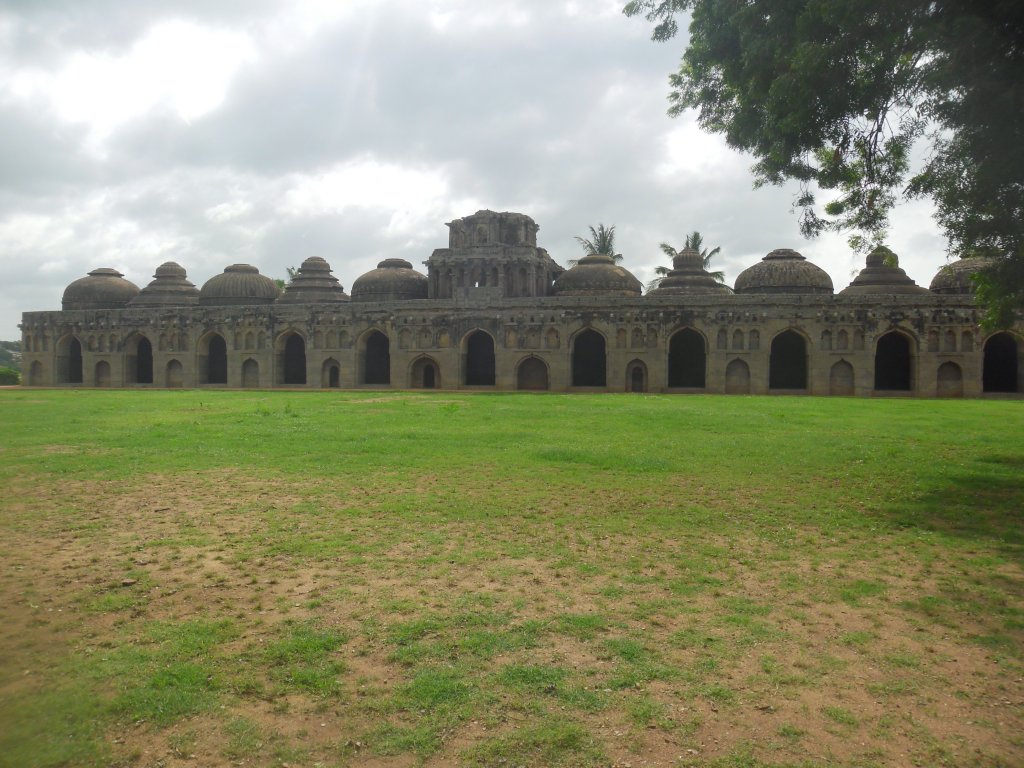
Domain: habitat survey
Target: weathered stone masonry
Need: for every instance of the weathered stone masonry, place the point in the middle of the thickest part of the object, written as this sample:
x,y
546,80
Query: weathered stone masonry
x,y
494,311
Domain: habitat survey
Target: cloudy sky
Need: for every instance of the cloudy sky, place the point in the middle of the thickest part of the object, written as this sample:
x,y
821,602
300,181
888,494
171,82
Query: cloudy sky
x,y
210,132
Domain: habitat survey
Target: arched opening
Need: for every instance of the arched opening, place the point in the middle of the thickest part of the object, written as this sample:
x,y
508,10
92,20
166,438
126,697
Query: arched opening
x,y
532,374
175,374
636,377
737,378
330,376
376,359
687,360
250,374
840,379
69,361
787,365
35,374
589,360
292,359
425,374
102,374
1000,371
213,360
892,363
949,381
139,360
478,361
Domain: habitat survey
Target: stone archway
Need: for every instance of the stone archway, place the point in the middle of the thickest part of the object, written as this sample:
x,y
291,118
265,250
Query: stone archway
x,y
213,359
69,361
840,379
291,359
893,363
737,378
425,374
787,365
532,375
250,374
139,360
636,376
949,380
102,376
687,360
35,374
330,374
478,359
375,357
589,359
175,374
1001,364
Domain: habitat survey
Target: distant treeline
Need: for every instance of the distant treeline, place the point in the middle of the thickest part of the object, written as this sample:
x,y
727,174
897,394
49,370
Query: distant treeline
x,y
10,355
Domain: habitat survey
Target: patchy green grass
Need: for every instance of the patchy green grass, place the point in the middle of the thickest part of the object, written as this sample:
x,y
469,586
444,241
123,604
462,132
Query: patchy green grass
x,y
332,578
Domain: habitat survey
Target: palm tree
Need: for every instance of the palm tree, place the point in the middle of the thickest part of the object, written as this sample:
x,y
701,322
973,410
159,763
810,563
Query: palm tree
x,y
694,241
602,243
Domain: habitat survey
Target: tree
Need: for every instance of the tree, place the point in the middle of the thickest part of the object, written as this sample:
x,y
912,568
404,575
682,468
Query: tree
x,y
694,241
292,272
601,242
836,94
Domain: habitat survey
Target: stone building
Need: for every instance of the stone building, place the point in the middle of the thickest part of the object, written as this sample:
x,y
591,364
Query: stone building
x,y
494,311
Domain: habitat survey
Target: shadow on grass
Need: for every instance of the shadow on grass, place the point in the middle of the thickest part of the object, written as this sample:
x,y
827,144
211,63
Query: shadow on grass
x,y
983,502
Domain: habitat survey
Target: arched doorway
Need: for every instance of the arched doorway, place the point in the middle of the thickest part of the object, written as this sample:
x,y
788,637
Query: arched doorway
x,y
840,379
69,361
139,360
636,377
175,374
1000,371
250,374
687,360
532,375
424,374
949,380
330,376
478,360
589,360
213,360
292,359
376,358
737,378
787,365
893,370
35,374
102,374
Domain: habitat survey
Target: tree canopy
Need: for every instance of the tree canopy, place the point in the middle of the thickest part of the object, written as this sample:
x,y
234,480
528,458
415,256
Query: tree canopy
x,y
837,94
694,240
601,242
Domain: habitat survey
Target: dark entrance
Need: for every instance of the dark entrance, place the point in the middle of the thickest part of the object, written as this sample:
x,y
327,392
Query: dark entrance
x,y
787,366
143,362
75,362
589,361
892,363
479,359
377,360
532,374
687,360
428,377
295,360
217,360
999,370
637,377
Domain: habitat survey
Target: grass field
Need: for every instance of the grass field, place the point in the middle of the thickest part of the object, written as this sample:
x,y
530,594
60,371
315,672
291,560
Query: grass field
x,y
205,578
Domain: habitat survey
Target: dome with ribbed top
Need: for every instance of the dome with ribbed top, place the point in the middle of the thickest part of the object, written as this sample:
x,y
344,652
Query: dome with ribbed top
x,y
392,280
103,288
170,288
879,279
597,275
688,276
313,284
955,278
784,271
238,285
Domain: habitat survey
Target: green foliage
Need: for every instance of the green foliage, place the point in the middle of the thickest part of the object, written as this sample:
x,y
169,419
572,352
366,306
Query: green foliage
x,y
601,242
9,376
10,355
694,241
835,95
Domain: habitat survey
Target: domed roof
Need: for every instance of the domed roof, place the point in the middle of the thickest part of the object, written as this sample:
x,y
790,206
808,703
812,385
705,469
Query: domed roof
x,y
170,288
784,271
313,284
238,285
955,277
104,288
597,275
392,280
878,278
688,276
